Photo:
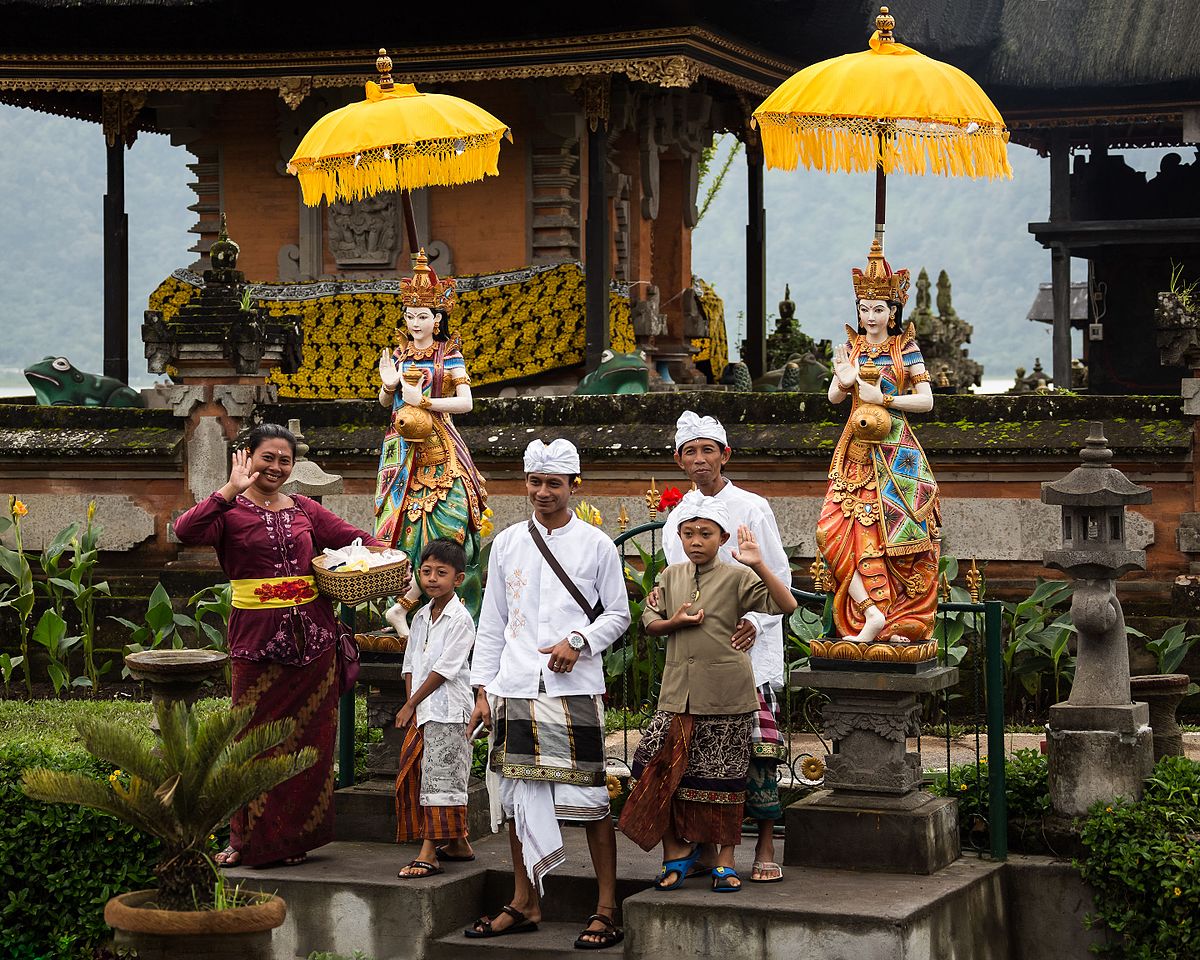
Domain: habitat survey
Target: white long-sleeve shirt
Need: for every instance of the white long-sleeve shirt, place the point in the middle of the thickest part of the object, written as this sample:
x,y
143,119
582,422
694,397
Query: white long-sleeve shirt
x,y
766,656
526,608
442,647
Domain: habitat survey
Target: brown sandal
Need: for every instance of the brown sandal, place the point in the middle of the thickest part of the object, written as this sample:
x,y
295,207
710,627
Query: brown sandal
x,y
482,927
610,936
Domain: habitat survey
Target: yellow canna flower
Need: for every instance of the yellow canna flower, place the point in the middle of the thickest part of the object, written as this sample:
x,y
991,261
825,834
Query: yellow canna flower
x,y
91,511
16,507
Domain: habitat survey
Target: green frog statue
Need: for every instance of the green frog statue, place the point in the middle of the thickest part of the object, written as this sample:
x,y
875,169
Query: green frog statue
x,y
617,373
57,383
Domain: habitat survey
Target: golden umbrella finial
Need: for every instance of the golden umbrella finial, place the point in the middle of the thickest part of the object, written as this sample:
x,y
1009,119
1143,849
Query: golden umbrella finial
x,y
383,63
885,23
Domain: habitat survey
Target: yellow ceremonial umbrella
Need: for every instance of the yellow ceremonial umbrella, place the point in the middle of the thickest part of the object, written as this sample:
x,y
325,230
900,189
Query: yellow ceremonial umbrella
x,y
396,139
886,109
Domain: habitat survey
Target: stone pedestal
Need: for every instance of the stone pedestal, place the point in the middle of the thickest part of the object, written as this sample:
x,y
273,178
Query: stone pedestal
x,y
1097,753
383,677
873,816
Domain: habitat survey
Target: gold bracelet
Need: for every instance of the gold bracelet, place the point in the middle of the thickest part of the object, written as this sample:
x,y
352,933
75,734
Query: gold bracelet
x,y
862,605
919,378
390,391
408,604
888,400
426,403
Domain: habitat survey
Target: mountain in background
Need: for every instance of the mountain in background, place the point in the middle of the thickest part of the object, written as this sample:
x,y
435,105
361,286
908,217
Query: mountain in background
x,y
818,227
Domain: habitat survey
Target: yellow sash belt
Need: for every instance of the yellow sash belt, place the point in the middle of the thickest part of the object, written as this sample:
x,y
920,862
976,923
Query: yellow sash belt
x,y
273,592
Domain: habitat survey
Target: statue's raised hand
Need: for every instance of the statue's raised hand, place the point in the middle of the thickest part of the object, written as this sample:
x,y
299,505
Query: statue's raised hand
x,y
843,369
389,372
241,478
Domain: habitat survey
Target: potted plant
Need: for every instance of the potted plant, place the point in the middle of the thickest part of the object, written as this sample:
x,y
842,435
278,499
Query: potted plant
x,y
1165,690
179,789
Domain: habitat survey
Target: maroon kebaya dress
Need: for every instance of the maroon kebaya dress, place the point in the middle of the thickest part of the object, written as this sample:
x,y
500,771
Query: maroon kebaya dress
x,y
284,660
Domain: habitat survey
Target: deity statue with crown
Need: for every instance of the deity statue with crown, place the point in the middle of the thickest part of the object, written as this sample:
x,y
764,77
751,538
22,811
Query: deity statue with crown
x,y
878,530
427,487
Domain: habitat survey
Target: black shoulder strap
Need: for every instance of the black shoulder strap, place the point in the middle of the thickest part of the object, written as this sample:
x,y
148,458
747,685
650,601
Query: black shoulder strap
x,y
592,611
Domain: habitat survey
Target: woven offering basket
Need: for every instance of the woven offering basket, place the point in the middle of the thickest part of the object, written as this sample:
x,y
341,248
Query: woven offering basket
x,y
359,586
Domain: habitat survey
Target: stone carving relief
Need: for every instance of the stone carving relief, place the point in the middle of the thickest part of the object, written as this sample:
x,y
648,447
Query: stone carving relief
x,y
839,720
365,233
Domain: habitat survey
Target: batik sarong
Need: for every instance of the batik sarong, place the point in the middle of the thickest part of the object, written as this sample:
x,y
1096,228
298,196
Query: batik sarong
x,y
296,816
689,776
767,751
431,786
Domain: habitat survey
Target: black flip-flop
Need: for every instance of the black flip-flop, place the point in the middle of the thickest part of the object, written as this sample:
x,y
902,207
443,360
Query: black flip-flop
x,y
610,936
451,858
429,868
483,926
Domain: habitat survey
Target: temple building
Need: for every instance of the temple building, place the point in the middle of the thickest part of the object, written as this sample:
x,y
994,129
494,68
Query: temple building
x,y
611,109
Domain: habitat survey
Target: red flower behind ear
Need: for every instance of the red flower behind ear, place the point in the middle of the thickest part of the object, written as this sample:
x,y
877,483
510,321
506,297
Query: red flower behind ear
x,y
670,497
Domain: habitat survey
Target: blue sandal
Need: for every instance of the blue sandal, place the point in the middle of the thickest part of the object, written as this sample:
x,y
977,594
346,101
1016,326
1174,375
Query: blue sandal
x,y
680,867
721,880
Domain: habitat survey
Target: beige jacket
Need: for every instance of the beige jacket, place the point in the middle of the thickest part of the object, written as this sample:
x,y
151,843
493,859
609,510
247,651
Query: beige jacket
x,y
704,674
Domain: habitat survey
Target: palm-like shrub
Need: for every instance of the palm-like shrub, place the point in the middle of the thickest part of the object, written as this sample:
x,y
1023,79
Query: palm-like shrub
x,y
179,788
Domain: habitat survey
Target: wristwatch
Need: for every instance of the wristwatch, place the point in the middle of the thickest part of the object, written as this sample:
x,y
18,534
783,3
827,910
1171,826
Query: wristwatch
x,y
577,640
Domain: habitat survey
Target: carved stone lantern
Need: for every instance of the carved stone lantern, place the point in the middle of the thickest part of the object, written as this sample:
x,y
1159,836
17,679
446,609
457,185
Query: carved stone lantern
x,y
307,477
1099,742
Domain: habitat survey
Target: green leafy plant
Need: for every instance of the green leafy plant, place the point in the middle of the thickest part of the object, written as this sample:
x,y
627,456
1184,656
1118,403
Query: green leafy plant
x,y
51,634
160,626
327,955
1037,644
179,789
18,596
1172,648
73,858
951,625
83,589
1183,290
1027,794
1143,862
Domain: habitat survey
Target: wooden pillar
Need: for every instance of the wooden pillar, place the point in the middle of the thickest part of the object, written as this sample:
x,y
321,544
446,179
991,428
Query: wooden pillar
x,y
116,266
1060,258
756,261
598,246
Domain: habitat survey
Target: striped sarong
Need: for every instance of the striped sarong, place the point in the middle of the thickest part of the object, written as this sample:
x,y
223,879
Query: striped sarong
x,y
431,774
552,739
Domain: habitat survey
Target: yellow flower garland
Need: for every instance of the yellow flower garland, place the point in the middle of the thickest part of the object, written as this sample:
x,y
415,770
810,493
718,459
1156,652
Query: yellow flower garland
x,y
509,330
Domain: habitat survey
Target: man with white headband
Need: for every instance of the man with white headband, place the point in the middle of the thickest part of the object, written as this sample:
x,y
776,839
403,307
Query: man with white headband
x,y
701,451
555,600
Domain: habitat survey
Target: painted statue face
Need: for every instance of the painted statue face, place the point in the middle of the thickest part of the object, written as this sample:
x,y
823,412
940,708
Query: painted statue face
x,y
419,321
873,316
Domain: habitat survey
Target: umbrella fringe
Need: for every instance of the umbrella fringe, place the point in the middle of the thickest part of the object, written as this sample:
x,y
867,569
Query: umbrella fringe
x,y
982,153
380,172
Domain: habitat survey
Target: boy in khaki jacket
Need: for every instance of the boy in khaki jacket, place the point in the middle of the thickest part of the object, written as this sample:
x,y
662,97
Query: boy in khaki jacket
x,y
690,767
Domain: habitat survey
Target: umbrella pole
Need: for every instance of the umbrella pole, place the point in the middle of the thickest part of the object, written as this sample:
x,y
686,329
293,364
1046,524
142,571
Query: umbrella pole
x,y
410,223
880,192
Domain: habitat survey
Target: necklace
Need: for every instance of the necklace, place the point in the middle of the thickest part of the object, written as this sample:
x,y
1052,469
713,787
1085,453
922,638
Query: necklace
x,y
873,350
696,592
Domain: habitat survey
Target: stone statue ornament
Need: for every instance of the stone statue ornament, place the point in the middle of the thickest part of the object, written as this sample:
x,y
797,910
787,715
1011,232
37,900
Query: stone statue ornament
x,y
57,383
427,486
878,528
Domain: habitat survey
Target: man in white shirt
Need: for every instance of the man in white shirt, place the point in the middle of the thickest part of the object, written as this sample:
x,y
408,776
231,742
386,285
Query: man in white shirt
x,y
539,680
701,451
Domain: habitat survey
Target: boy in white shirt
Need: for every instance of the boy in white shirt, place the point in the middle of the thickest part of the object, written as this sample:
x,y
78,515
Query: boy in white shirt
x,y
435,758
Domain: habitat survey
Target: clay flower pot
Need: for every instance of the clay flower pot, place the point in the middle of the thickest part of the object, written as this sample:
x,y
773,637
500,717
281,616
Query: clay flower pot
x,y
1163,692
243,933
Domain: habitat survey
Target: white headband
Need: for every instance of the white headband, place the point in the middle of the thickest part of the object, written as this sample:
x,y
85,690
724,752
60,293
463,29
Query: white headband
x,y
691,427
557,456
696,506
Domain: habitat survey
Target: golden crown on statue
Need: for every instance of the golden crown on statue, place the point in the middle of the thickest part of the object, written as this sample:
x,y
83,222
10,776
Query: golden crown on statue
x,y
878,282
424,289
